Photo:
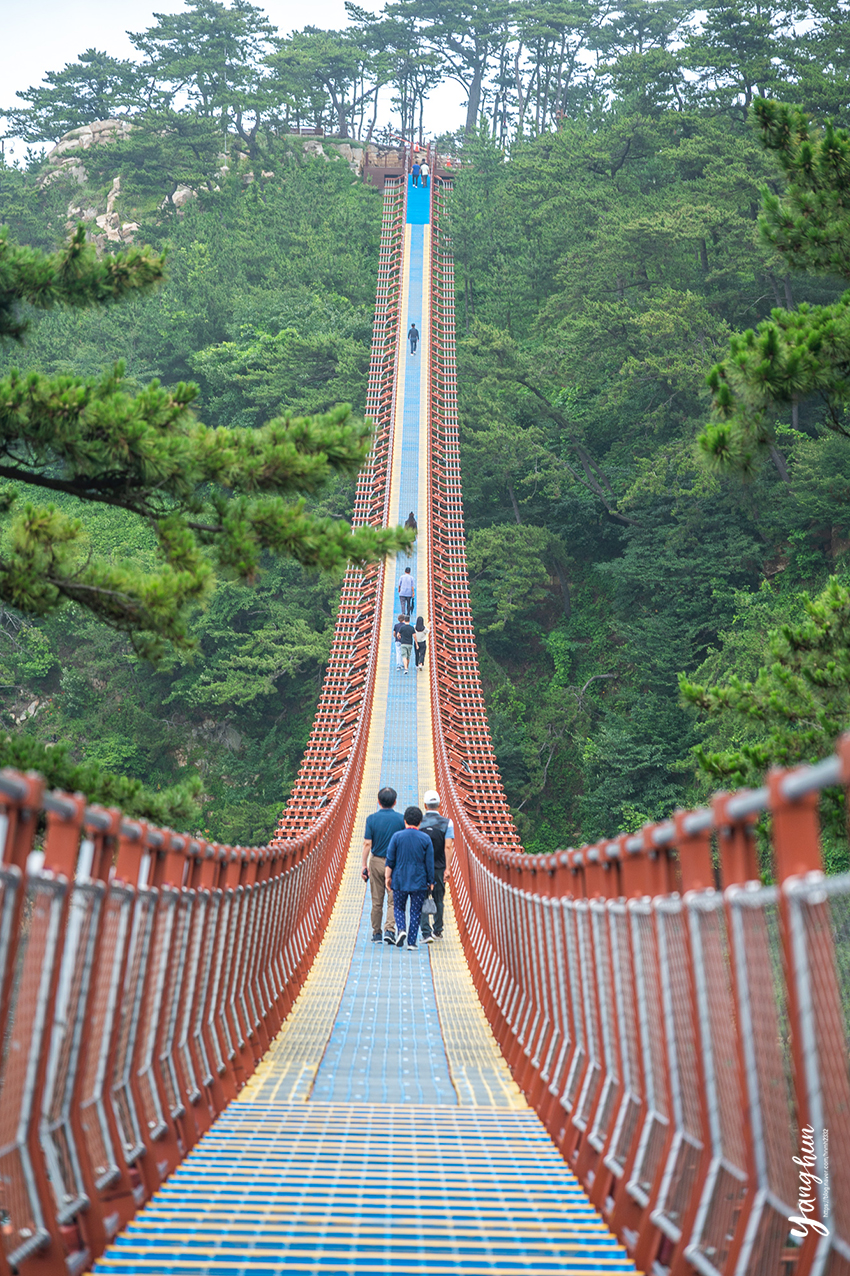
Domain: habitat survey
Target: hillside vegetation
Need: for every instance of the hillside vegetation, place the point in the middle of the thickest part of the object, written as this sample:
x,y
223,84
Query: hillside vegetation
x,y
627,564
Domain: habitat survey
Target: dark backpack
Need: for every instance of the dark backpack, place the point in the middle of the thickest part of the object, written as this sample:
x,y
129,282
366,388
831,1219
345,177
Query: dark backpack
x,y
437,833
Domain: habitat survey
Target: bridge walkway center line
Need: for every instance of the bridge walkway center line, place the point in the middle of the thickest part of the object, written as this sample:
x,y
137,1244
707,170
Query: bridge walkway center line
x,y
382,1132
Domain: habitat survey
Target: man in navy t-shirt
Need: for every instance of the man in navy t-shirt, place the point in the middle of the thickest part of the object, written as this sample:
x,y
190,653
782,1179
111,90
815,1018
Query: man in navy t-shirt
x,y
380,827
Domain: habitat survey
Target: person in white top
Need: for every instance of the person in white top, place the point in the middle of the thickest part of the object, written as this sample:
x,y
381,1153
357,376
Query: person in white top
x,y
424,170
406,592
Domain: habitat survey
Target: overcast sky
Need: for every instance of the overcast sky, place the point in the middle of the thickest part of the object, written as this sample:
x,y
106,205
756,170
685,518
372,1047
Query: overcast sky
x,y
42,35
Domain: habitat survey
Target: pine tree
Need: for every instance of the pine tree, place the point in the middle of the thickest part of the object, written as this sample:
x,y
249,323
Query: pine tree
x,y
798,703
796,353
214,500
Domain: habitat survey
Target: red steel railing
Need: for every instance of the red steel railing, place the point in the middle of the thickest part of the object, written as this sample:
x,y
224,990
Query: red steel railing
x,y
142,976
460,718
682,1030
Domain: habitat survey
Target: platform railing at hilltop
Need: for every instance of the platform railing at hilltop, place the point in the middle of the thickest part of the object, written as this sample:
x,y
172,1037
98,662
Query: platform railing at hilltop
x,y
682,1029
143,973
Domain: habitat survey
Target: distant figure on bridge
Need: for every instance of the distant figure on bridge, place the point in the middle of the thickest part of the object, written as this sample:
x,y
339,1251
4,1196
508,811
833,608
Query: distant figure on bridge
x,y
399,622
380,827
442,834
410,875
410,522
415,171
425,169
420,642
404,637
413,338
406,592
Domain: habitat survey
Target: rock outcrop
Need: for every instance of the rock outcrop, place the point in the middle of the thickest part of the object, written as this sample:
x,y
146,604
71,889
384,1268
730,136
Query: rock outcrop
x,y
64,159
67,161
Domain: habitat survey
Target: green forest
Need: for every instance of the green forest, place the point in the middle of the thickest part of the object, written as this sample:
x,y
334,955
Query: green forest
x,y
652,257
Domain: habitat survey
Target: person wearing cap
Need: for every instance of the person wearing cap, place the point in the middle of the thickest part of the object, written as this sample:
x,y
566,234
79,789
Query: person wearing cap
x,y
442,833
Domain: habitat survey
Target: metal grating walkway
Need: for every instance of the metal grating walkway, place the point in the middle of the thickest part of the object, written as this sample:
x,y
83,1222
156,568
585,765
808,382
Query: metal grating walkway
x,y
312,1188
383,1132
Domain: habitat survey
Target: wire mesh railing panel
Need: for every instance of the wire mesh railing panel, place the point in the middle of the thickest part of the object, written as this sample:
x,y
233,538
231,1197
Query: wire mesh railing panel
x,y
628,1115
24,1029
820,927
132,996
578,1056
100,1019
766,1051
70,1016
590,1012
610,1080
152,1108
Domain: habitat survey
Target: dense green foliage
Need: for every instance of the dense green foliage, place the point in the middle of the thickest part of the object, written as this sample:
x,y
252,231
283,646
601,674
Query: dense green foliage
x,y
802,352
609,251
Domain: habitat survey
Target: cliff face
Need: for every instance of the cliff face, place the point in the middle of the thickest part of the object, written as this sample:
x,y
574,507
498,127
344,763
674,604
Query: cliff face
x,y
106,212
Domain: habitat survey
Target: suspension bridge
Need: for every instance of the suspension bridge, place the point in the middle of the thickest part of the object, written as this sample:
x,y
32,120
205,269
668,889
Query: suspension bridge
x,y
628,1057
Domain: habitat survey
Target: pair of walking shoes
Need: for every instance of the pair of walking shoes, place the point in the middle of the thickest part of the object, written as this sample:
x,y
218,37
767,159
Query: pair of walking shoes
x,y
397,940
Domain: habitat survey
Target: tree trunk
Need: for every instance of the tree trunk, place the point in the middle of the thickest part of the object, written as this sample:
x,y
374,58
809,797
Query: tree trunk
x,y
520,96
789,296
338,105
703,255
474,101
565,589
373,120
512,495
779,461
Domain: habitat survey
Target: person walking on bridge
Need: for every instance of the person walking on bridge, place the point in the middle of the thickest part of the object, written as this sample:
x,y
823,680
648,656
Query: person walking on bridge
x,y
380,827
405,635
425,169
415,171
420,641
410,875
413,338
441,831
399,622
406,592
